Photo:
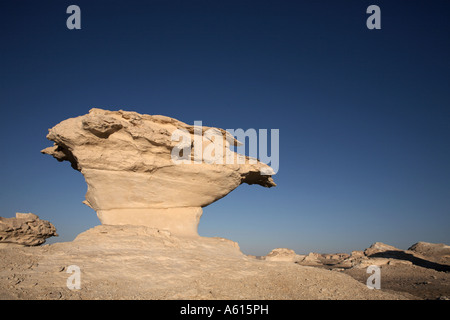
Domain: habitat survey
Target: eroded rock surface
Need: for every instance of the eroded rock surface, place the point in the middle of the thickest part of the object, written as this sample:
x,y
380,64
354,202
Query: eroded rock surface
x,y
127,161
283,254
436,252
25,229
138,262
434,256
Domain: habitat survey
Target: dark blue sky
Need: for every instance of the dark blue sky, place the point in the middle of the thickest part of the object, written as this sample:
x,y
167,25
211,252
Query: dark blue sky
x,y
364,115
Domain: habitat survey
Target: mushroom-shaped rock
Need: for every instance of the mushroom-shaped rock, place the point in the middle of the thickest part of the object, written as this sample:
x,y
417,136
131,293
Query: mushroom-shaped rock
x,y
25,229
152,170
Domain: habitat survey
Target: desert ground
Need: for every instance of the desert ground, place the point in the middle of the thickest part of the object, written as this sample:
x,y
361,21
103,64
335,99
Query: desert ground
x,y
137,262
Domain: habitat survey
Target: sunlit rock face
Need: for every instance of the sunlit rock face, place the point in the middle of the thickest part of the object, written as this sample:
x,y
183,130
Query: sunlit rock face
x,y
152,170
26,229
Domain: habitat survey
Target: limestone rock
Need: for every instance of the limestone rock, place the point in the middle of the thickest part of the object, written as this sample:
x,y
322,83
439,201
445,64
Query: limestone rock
x,y
437,252
428,255
128,162
335,256
357,254
395,262
364,263
283,254
430,249
379,247
138,262
312,259
25,229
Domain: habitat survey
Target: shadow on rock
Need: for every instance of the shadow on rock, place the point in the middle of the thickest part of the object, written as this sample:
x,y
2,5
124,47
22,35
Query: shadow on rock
x,y
401,255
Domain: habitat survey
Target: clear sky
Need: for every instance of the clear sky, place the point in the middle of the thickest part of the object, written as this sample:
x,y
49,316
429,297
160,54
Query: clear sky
x,y
364,115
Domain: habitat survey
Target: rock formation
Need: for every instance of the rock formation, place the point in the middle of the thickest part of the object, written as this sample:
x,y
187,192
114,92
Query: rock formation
x,y
437,252
128,162
311,259
138,262
25,229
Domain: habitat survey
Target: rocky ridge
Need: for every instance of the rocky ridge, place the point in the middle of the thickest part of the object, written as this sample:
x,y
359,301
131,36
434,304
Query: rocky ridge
x,y
423,270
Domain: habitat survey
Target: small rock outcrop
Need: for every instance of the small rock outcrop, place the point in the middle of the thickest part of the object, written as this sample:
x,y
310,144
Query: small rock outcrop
x,y
424,254
25,229
152,170
310,259
283,254
431,249
379,247
437,252
377,254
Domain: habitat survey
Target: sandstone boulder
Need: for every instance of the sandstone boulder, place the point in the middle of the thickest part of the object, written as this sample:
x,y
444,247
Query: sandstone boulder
x,y
25,229
141,169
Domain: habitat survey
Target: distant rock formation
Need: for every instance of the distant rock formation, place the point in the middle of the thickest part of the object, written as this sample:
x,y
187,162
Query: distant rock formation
x,y
423,254
283,254
142,263
127,161
438,252
379,247
25,229
310,259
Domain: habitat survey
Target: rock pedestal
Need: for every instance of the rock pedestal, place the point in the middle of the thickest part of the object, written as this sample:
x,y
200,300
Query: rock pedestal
x,y
179,221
